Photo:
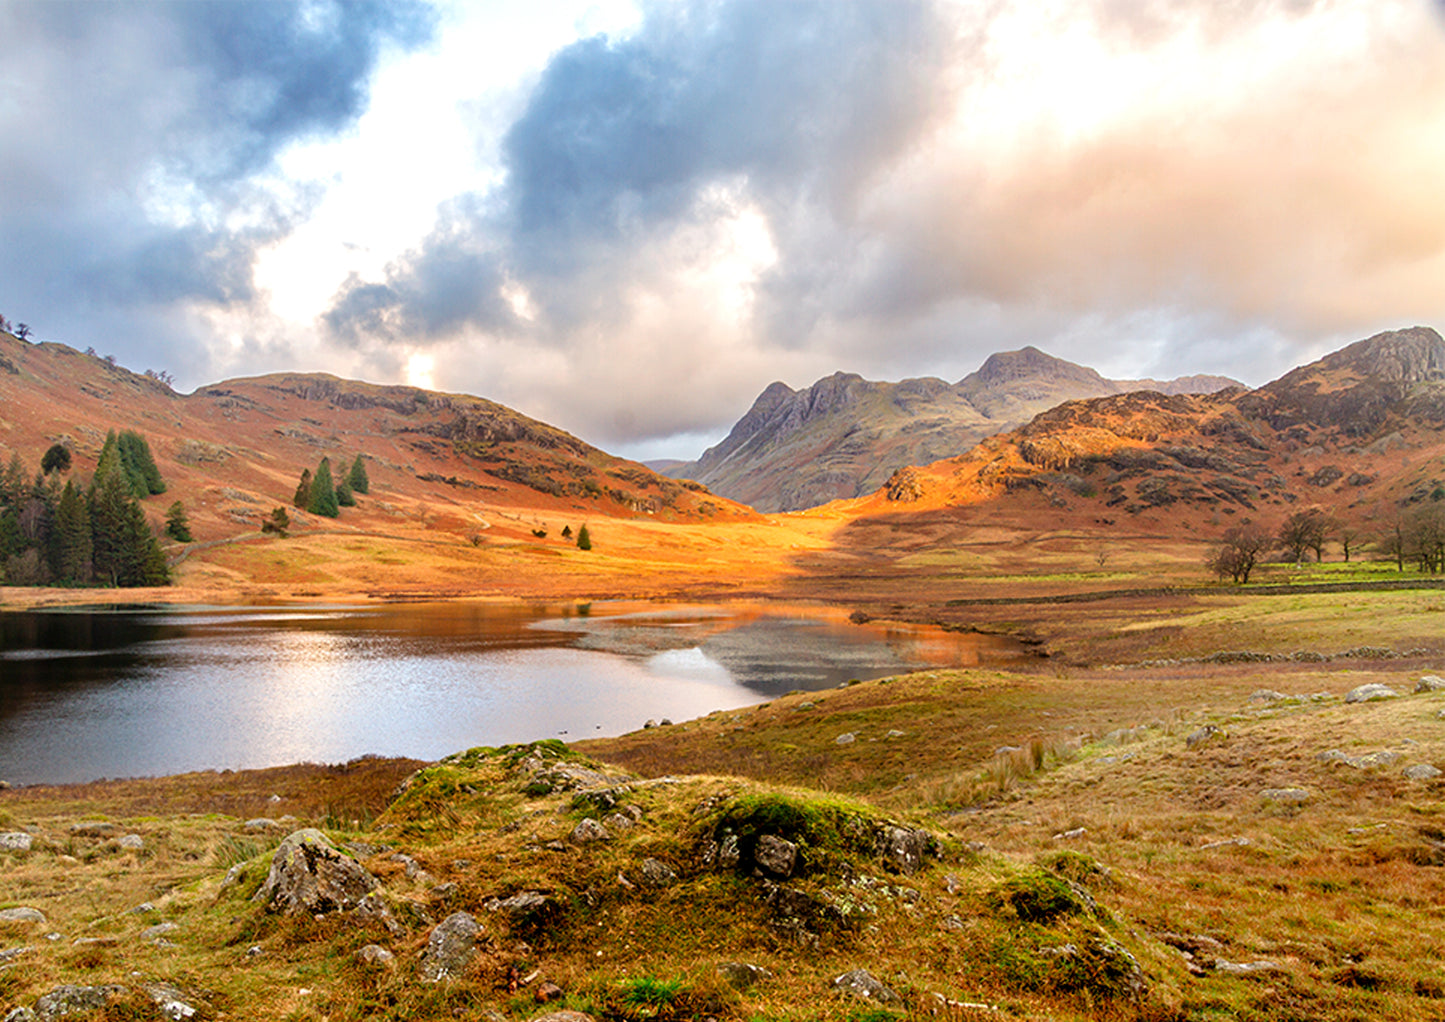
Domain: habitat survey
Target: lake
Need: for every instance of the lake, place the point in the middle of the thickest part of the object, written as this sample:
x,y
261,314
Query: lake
x,y
130,692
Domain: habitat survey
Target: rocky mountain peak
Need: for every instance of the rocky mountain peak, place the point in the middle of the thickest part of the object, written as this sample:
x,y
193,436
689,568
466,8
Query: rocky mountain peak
x,y
1413,355
1006,367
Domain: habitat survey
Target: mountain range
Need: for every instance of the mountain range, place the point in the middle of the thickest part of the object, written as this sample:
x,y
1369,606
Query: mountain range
x,y
844,436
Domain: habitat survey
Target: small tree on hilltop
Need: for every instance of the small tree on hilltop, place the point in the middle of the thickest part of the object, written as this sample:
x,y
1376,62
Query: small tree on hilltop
x,y
584,539
357,478
1238,552
323,492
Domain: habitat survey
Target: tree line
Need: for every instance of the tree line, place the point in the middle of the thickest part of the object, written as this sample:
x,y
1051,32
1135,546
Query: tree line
x,y
69,534
1415,537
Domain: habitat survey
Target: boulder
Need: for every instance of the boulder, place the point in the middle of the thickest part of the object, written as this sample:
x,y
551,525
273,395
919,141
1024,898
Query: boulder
x,y
588,832
1207,733
741,975
22,915
656,873
133,842
1291,795
21,1014
450,948
154,934
96,830
310,874
1422,772
775,855
170,1001
1369,693
74,1000
846,738
374,956
863,984
1430,683
260,824
16,841
904,848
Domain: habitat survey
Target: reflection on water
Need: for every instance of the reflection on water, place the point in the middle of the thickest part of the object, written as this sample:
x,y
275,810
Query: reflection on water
x,y
87,694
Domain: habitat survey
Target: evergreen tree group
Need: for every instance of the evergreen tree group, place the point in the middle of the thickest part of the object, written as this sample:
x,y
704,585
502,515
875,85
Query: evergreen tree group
x,y
71,535
321,494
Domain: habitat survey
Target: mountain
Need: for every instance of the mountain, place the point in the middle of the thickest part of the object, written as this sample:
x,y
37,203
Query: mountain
x,y
1360,432
844,436
233,451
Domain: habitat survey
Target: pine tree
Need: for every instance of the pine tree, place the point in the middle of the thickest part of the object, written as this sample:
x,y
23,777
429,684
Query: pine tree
x,y
124,550
344,497
178,526
140,467
584,539
278,523
13,482
357,478
11,539
70,547
303,490
323,492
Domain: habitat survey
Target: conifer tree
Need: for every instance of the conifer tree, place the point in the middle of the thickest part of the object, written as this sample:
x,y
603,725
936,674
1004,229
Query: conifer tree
x,y
344,497
303,490
278,523
13,482
357,478
11,539
323,492
178,526
124,550
71,541
584,539
140,466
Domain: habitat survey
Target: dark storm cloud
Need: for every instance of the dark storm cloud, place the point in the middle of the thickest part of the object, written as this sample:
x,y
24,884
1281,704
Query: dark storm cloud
x,y
133,134
796,105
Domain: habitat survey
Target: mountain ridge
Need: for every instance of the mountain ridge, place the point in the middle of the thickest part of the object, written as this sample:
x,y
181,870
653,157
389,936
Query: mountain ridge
x,y
844,435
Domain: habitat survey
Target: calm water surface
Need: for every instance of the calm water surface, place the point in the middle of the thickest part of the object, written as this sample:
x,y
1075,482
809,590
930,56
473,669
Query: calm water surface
x,y
86,694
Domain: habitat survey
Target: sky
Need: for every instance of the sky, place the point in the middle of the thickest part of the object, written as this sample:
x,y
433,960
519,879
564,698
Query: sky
x,y
627,219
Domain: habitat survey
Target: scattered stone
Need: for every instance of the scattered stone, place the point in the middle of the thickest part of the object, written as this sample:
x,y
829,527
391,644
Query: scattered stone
x,y
948,1004
617,822
20,1015
1430,683
656,873
1267,695
1422,772
743,976
649,725
22,915
96,830
310,874
904,848
1293,795
566,1015
446,891
274,799
255,951
1383,758
1102,966
260,824
806,704
1070,835
1207,733
375,956
16,841
1241,842
133,842
450,948
729,853
1370,693
524,906
893,733
665,722
170,1001
588,831
1246,968
13,953
546,992
847,738
373,909
153,934
776,855
863,984
74,1000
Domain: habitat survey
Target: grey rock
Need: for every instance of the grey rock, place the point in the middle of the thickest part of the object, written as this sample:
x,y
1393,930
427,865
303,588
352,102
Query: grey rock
x,y
377,957
618,822
96,829
1422,772
729,852
1207,733
74,1000
1293,795
152,934
904,848
1430,683
170,1001
13,953
21,1014
846,738
16,841
565,1015
524,906
1267,695
863,984
260,824
450,948
133,842
656,873
776,855
310,874
373,908
1369,693
1246,968
24,914
742,975
588,832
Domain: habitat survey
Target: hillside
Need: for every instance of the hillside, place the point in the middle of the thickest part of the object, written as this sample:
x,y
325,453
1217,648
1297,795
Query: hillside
x,y
843,436
456,480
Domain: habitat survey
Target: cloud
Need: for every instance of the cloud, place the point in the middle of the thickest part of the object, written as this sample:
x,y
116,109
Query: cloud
x,y
139,139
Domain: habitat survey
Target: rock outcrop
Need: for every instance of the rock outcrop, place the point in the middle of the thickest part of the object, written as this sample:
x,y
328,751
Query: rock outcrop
x,y
310,874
